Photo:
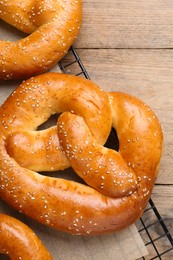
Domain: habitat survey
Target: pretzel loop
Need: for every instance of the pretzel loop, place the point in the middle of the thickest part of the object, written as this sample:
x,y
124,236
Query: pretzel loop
x,y
101,168
119,183
52,26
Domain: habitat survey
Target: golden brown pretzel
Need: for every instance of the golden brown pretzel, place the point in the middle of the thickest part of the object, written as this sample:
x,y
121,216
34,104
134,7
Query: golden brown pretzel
x,y
83,128
35,101
18,241
52,27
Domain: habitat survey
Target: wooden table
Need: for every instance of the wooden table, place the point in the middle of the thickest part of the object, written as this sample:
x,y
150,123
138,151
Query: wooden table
x,y
126,45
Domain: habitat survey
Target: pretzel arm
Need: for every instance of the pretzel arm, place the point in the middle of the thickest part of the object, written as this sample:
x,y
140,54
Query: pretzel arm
x,y
18,241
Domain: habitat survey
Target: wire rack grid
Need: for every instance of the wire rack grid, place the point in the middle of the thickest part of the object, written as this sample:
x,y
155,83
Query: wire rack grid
x,y
159,246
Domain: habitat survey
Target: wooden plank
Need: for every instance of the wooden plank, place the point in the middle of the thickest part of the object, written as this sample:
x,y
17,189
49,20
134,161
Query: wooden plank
x,y
163,198
126,24
147,74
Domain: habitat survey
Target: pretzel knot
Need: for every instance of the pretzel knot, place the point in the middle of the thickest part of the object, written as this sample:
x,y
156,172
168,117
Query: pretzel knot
x,y
117,185
52,26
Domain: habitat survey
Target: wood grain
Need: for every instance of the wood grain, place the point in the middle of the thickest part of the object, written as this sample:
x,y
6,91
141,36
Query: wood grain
x,y
163,198
126,24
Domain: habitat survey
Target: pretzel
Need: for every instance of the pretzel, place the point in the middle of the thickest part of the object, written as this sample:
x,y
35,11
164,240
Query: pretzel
x,y
18,241
119,183
51,28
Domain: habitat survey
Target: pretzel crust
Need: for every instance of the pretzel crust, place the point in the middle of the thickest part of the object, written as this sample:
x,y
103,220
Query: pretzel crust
x,y
67,205
52,26
34,102
18,241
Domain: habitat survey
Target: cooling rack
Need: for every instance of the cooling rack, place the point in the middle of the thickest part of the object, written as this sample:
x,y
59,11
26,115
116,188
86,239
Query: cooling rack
x,y
159,244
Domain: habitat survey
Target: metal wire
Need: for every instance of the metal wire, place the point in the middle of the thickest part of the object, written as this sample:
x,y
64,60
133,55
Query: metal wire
x,y
151,242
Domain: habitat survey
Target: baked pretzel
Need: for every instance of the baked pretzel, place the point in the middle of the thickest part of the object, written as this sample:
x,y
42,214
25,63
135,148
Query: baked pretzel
x,y
121,181
18,241
52,27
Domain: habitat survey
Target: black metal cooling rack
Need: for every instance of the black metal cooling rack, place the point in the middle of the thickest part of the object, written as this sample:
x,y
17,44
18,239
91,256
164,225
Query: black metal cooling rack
x,y
159,246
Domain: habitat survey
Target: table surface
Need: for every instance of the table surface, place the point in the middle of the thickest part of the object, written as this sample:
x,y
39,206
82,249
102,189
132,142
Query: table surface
x,y
126,45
